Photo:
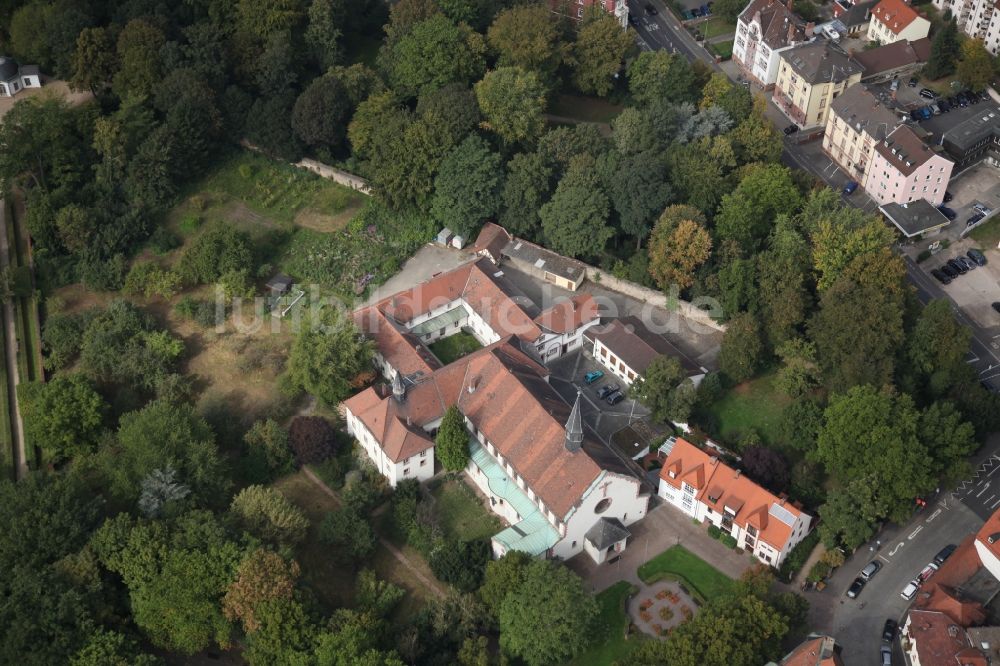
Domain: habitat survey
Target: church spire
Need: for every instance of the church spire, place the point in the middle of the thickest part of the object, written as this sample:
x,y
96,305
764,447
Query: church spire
x,y
398,390
574,427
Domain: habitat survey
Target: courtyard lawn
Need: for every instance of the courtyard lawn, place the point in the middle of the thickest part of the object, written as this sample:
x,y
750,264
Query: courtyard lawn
x,y
754,405
609,643
677,562
988,234
462,514
716,26
585,109
722,49
455,347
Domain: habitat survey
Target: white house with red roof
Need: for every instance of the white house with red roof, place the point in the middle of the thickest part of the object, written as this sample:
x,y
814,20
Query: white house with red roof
x,y
895,20
705,488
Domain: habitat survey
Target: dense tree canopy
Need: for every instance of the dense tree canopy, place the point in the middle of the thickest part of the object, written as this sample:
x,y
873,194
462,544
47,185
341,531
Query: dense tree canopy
x,y
327,355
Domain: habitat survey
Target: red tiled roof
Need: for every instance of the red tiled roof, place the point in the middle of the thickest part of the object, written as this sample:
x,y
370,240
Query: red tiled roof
x,y
399,438
990,528
814,651
750,502
400,349
491,240
637,346
894,14
938,640
570,314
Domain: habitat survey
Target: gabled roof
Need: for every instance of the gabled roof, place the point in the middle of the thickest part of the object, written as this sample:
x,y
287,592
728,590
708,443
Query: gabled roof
x,y
855,14
569,314
606,532
779,26
8,68
938,640
821,62
894,14
491,241
894,56
990,530
402,350
814,651
864,112
398,436
904,150
733,493
637,346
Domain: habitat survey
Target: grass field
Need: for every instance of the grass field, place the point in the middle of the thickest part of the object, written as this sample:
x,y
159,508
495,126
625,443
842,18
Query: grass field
x,y
586,109
722,49
609,642
987,234
716,26
455,347
679,563
463,515
754,405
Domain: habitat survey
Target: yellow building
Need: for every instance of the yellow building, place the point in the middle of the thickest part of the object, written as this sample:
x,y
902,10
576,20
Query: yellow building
x,y
810,77
856,123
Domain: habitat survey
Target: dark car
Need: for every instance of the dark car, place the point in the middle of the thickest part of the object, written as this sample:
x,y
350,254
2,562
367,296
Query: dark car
x,y
696,12
948,212
915,115
957,266
632,19
968,263
949,271
973,98
995,306
963,101
927,93
791,129
975,218
650,9
977,256
705,11
889,630
855,589
945,553
944,106
850,187
913,82
940,277
606,390
614,397
948,196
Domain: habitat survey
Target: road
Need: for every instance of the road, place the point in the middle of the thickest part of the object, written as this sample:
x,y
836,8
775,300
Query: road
x,y
10,355
664,31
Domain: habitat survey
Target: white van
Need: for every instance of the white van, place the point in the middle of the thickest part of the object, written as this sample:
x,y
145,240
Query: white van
x,y
910,590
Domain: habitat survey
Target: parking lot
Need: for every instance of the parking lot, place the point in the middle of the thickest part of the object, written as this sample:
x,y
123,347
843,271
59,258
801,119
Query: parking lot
x,y
978,185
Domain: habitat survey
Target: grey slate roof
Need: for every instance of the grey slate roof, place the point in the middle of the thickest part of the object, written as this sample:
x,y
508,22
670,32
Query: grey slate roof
x,y
915,217
606,532
779,26
574,426
8,68
863,111
821,61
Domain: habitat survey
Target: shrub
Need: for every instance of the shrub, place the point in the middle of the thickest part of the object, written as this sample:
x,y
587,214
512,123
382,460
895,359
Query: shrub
x,y
819,571
150,280
714,532
163,240
460,563
312,439
923,256
348,530
189,224
268,454
728,540
364,492
62,338
797,558
269,515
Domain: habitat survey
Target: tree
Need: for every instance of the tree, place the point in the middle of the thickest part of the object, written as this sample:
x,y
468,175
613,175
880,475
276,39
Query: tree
x,y
460,563
699,172
62,335
404,15
320,114
263,18
742,348
975,66
140,69
312,438
111,648
94,61
376,596
548,617
526,188
678,245
766,466
502,576
512,101
638,188
163,435
849,516
161,491
937,345
747,213
450,114
734,100
452,441
434,53
784,278
597,55
800,424
944,51
287,635
729,9
220,249
468,186
347,530
327,355
574,220
528,38
950,439
755,138
323,31
660,76
838,242
666,390
63,416
268,453
263,575
268,515
799,373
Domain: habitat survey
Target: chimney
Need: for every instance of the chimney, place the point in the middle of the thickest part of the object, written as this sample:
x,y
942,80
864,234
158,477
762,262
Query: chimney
x,y
810,27
398,389
574,427
738,472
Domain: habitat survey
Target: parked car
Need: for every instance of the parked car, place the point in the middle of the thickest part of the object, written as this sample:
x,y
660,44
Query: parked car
x,y
944,105
982,208
697,36
948,196
975,218
593,376
927,572
850,187
614,397
885,655
925,113
940,277
945,553
889,630
973,98
969,264
913,82
705,10
910,589
927,93
894,86
650,9
687,15
915,115
957,266
870,570
995,306
948,212
791,129
977,256
606,390
935,109
855,589
696,12
949,271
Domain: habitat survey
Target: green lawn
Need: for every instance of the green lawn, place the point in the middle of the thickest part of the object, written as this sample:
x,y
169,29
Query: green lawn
x,y
754,405
722,49
455,346
610,645
462,514
699,576
988,234
586,109
716,26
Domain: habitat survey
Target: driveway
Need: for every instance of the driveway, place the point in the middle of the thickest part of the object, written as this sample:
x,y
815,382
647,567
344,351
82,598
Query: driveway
x,y
428,261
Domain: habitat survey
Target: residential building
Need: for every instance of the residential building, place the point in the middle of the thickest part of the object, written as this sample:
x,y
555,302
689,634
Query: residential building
x,y
815,650
14,77
904,169
810,77
988,545
857,122
626,347
894,20
916,218
931,638
577,9
701,485
976,18
854,16
893,60
765,29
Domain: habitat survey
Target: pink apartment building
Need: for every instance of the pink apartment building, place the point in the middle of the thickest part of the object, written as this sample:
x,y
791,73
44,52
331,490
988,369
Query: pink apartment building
x,y
905,169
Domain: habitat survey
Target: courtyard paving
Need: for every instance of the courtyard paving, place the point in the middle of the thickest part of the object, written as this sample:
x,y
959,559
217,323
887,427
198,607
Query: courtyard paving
x,y
660,607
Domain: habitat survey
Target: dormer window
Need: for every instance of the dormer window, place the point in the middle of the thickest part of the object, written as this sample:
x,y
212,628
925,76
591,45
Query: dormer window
x,y
672,474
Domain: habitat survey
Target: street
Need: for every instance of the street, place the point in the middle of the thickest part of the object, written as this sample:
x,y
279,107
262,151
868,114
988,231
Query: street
x,y
664,31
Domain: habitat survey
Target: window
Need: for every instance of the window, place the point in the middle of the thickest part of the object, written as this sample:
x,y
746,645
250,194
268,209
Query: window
x,y
423,463
579,12
603,505
574,545
406,471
